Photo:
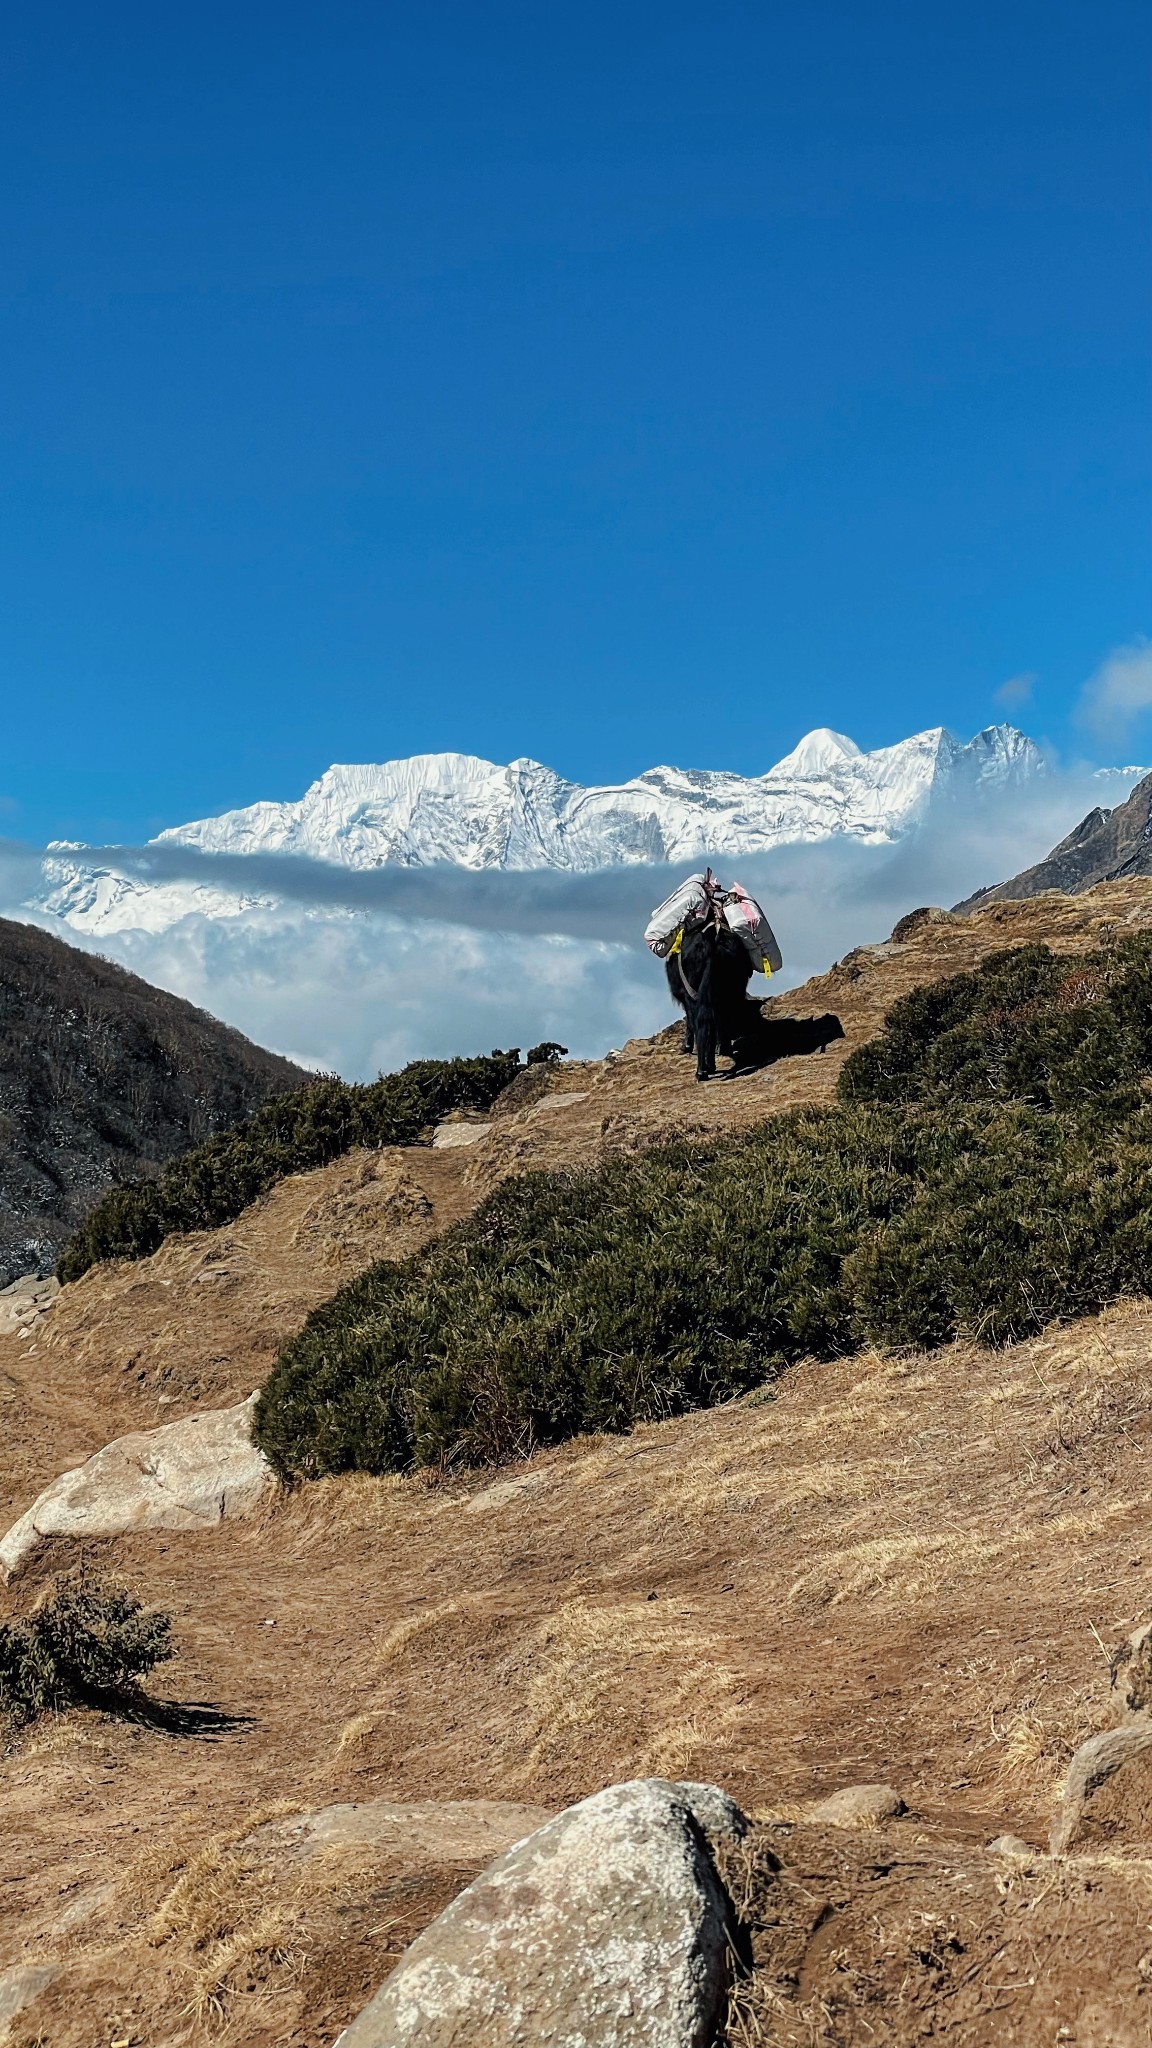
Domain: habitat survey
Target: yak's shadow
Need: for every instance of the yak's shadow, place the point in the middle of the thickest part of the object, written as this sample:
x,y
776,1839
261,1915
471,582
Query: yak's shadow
x,y
768,1039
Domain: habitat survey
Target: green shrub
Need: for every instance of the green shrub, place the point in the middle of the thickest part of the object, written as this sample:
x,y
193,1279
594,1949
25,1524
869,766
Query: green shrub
x,y
985,1173
85,1645
1057,1033
292,1134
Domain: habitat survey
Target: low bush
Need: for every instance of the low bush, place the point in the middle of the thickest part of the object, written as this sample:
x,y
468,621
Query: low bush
x,y
1030,1026
985,1172
292,1134
85,1645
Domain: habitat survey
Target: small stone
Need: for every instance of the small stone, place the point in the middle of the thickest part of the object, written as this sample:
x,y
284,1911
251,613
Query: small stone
x,y
1132,1673
1011,1845
858,1806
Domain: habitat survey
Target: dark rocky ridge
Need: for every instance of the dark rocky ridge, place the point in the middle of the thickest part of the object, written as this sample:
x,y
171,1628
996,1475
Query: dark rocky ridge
x,y
1106,846
102,1079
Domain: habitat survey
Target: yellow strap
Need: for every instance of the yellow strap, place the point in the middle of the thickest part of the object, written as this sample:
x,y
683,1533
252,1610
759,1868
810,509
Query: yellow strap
x,y
674,948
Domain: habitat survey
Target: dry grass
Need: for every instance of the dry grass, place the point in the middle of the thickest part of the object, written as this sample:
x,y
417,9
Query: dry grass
x,y
911,1566
225,1916
360,1729
400,1638
358,1732
642,1670
330,1510
239,1967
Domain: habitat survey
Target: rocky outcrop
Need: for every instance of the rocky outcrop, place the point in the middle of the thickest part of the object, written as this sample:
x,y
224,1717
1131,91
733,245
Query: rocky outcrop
x,y
608,1926
186,1475
25,1301
102,1080
1108,1792
1104,847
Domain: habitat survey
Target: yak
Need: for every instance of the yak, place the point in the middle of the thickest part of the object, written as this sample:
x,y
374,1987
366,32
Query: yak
x,y
708,977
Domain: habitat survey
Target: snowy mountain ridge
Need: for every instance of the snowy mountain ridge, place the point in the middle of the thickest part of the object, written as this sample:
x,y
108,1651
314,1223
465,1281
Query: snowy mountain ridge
x,y
474,814
455,807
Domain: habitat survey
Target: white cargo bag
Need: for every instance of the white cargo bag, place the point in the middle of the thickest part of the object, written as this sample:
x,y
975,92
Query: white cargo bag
x,y
743,915
693,899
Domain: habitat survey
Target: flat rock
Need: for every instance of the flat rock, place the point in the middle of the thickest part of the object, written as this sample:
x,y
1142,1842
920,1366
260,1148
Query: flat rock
x,y
556,1098
185,1475
504,1490
858,1806
1108,1792
443,1830
451,1135
607,1928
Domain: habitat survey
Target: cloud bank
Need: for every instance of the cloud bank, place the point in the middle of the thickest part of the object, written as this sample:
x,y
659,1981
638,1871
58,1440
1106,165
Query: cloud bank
x,y
358,972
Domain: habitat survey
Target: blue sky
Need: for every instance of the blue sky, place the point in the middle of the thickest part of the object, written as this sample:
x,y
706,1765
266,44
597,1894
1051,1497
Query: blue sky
x,y
611,384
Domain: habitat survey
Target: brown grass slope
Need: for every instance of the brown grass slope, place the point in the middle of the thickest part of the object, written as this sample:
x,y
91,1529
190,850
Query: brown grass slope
x,y
898,1569
102,1078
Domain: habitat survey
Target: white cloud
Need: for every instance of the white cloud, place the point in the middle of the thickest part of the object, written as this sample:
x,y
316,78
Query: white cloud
x,y
1119,695
361,994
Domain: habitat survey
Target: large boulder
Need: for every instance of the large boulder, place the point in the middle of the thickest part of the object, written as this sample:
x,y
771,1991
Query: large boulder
x,y
608,1927
1108,1792
185,1475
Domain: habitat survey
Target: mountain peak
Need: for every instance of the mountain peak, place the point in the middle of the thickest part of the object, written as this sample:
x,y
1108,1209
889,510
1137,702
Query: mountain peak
x,y
817,752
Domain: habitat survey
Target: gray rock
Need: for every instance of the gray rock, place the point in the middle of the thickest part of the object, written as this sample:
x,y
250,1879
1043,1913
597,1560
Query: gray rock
x,y
1108,1792
185,1475
25,1301
1011,1845
607,1928
858,1806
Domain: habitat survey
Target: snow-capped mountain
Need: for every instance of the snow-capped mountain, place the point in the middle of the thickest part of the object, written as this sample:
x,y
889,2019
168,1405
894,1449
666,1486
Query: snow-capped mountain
x,y
454,808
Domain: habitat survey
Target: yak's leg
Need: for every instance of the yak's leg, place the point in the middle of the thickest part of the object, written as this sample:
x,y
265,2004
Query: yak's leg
x,y
705,1021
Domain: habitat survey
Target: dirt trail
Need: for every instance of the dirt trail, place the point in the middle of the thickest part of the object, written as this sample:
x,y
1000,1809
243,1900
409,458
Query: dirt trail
x,y
883,1569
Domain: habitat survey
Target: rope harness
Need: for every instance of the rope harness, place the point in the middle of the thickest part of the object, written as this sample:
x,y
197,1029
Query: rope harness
x,y
713,922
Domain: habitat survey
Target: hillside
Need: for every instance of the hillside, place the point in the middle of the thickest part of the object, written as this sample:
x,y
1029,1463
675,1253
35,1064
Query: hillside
x,y
1105,846
102,1078
880,1568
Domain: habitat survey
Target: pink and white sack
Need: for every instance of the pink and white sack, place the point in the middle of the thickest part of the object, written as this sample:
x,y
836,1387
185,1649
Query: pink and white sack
x,y
743,915
695,899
